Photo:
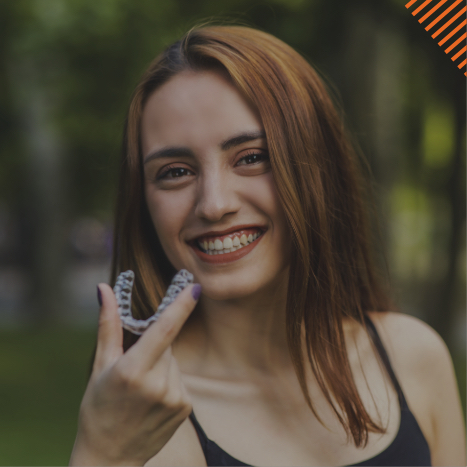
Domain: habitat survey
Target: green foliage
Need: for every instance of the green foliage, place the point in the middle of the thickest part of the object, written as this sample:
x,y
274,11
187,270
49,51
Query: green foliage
x,y
438,138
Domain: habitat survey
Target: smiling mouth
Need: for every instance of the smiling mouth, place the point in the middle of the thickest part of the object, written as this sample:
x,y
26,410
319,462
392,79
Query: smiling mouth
x,y
229,247
228,243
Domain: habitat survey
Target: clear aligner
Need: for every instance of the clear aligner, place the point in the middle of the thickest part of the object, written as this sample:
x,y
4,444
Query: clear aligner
x,y
123,288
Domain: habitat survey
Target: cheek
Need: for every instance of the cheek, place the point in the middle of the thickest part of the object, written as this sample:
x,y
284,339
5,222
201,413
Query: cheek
x,y
281,234
265,196
168,210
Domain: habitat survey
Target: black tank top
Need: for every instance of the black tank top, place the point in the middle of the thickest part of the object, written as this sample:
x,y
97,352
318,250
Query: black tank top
x,y
408,448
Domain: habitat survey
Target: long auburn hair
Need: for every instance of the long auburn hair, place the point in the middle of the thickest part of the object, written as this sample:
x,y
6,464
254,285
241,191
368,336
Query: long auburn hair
x,y
318,180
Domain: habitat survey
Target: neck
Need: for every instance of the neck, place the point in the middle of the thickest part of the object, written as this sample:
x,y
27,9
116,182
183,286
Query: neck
x,y
238,336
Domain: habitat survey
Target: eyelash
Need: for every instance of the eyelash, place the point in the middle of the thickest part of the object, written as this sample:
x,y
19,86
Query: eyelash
x,y
263,155
169,169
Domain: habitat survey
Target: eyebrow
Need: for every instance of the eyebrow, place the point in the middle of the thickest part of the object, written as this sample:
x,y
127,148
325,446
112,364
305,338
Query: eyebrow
x,y
181,151
172,151
242,138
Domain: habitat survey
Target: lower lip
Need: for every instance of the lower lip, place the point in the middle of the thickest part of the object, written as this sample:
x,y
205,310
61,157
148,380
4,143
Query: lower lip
x,y
226,257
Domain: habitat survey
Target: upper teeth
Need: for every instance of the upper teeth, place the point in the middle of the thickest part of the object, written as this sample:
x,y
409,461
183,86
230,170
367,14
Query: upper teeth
x,y
229,244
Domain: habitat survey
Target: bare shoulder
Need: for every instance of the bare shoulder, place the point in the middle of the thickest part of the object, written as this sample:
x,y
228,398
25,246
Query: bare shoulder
x,y
424,368
418,354
408,339
183,449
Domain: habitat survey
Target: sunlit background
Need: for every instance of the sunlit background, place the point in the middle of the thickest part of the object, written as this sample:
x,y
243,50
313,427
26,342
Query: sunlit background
x,y
67,70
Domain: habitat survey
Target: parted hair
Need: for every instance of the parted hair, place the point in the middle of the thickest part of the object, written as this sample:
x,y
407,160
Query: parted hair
x,y
318,178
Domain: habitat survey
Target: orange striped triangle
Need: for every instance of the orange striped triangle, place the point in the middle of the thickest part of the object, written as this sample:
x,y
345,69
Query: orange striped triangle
x,y
451,16
451,33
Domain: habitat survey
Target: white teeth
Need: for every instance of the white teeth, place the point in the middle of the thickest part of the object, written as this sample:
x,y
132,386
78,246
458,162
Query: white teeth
x,y
229,245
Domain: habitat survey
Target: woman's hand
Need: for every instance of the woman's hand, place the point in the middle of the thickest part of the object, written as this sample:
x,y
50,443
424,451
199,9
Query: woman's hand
x,y
134,402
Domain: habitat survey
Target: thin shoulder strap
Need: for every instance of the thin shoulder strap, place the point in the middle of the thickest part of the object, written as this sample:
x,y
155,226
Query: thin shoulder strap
x,y
203,439
385,359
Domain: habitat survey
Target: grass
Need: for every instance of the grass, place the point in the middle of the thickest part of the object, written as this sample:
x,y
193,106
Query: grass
x,y
43,375
42,380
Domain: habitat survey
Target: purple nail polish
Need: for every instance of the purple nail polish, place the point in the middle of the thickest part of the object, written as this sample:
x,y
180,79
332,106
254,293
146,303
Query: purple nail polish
x,y
196,291
99,296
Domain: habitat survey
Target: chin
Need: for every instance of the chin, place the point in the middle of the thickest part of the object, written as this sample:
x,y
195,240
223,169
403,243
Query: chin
x,y
227,293
245,283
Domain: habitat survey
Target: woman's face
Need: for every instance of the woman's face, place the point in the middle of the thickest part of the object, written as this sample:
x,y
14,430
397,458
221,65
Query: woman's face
x,y
209,186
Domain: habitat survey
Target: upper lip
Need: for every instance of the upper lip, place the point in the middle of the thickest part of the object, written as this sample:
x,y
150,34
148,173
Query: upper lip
x,y
219,233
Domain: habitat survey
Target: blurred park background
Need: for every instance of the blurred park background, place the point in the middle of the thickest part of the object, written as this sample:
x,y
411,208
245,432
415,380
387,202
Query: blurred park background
x,y
67,70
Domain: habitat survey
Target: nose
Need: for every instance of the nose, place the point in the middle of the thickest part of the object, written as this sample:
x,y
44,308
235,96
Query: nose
x,y
216,197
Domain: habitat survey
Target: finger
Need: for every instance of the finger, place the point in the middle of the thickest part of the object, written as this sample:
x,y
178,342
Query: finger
x,y
110,333
167,382
161,334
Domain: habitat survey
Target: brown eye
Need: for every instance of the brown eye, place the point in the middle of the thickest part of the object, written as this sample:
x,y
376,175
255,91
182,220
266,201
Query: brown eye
x,y
174,172
253,158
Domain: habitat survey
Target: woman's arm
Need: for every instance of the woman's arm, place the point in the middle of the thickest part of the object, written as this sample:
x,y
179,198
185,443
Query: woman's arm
x,y
448,447
425,371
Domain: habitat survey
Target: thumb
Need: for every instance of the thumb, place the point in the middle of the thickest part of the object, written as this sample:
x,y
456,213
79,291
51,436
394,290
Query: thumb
x,y
109,333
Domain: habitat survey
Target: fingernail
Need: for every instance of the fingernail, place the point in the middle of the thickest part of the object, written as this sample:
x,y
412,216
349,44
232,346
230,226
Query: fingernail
x,y
196,291
99,296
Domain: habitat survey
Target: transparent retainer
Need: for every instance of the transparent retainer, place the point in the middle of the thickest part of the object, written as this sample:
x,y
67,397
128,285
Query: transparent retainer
x,y
123,288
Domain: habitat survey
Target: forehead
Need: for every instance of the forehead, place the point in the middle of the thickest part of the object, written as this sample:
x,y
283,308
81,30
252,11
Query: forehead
x,y
196,109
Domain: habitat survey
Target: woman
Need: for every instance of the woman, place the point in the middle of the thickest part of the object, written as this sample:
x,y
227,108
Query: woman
x,y
236,167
